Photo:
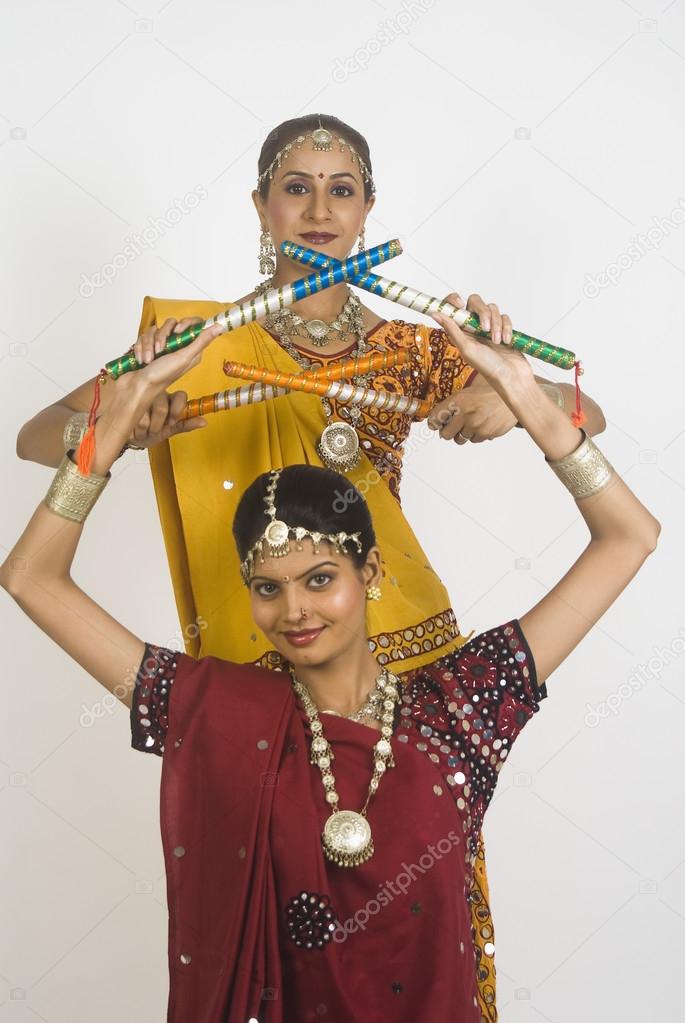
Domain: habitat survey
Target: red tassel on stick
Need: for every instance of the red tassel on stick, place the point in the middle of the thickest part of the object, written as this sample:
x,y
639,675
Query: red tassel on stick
x,y
86,451
578,417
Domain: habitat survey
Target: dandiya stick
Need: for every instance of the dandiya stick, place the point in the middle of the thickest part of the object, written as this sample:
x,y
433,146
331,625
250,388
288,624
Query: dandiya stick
x,y
296,381
348,368
231,319
423,303
341,390
270,301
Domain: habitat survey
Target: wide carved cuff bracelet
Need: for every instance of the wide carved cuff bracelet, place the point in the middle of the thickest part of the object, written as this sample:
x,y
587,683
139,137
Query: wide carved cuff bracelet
x,y
72,495
585,471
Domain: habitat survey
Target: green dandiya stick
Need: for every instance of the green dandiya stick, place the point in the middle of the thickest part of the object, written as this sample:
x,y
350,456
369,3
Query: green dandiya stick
x,y
262,305
423,303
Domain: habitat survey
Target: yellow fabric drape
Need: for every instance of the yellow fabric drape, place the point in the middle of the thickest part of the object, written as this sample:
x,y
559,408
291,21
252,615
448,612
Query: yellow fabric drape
x,y
199,478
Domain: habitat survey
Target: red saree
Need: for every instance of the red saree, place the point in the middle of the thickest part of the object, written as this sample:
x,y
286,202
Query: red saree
x,y
262,927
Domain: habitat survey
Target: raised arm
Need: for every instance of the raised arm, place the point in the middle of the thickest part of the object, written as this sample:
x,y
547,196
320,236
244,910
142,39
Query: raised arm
x,y
40,438
37,572
622,531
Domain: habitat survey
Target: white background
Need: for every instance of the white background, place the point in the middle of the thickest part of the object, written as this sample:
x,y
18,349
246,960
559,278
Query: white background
x,y
518,149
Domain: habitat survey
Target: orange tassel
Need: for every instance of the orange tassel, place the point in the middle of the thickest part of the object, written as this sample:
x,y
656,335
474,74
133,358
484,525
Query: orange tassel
x,y
578,417
86,451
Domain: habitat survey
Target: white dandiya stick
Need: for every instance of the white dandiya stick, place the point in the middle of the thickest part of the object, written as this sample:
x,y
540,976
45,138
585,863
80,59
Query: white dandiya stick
x,y
263,305
421,302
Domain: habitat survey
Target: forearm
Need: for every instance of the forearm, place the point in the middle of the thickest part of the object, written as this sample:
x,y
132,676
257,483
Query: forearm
x,y
594,417
37,574
615,513
40,440
45,551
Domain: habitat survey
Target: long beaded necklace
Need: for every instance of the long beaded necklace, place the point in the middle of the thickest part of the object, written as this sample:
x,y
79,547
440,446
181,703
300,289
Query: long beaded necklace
x,y
346,837
338,445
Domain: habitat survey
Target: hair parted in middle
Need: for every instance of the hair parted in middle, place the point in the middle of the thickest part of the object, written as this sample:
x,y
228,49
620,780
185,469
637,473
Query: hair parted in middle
x,y
288,131
319,499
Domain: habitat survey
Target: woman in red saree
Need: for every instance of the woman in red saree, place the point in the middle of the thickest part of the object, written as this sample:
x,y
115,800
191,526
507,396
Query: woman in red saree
x,y
265,924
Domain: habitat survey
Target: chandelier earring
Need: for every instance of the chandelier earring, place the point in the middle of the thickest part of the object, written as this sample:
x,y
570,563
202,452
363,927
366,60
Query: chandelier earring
x,y
362,241
267,254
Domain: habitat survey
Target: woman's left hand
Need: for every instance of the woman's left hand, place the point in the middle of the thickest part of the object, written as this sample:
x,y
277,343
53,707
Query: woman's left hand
x,y
499,364
489,315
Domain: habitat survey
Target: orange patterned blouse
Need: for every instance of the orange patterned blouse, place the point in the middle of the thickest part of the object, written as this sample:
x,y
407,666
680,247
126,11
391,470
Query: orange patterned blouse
x,y
434,370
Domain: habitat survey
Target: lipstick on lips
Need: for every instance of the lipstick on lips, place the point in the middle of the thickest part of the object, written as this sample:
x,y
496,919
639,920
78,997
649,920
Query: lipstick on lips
x,y
318,237
304,637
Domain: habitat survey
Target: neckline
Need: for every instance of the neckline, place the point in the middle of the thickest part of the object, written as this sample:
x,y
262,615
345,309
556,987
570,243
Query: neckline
x,y
339,722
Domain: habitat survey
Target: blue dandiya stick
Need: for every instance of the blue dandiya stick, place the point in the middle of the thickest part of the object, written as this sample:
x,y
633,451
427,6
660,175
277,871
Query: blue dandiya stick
x,y
276,298
423,303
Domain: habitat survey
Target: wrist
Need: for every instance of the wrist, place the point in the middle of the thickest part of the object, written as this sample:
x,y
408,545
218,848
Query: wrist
x,y
549,427
115,422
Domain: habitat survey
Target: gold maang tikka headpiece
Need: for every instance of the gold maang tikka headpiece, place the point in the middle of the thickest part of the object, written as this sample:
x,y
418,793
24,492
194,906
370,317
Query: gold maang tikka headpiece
x,y
276,537
322,140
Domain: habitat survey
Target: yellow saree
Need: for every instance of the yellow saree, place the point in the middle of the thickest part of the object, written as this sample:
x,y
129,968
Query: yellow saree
x,y
199,478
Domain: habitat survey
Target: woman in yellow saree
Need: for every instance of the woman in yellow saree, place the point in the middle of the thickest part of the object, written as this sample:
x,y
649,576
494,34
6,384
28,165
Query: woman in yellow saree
x,y
315,187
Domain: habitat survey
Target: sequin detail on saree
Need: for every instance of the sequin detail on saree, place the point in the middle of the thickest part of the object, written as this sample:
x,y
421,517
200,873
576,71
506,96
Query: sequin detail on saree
x,y
310,920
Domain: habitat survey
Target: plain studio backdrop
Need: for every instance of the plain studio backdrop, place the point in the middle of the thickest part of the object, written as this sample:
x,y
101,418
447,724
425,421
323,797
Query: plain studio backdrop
x,y
531,152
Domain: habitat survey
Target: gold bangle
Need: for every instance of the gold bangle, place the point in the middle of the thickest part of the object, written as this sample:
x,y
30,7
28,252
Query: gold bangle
x,y
72,495
555,393
74,429
585,471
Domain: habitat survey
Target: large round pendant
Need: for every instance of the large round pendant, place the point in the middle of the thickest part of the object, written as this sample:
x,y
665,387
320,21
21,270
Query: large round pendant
x,y
346,839
339,447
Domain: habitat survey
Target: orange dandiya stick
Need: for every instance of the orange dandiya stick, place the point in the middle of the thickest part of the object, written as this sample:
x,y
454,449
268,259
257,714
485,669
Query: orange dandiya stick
x,y
348,368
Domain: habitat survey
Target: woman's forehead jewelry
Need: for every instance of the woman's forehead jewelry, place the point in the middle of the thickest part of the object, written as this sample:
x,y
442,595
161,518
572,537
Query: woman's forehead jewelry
x,y
275,540
322,141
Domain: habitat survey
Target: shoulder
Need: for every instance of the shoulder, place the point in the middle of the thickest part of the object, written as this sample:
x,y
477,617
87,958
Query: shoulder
x,y
498,658
157,310
209,675
236,673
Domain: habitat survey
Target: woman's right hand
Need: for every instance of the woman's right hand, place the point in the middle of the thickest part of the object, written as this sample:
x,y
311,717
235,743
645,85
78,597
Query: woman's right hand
x,y
152,341
161,420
